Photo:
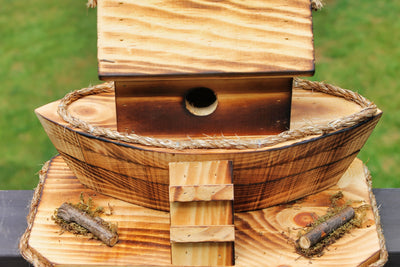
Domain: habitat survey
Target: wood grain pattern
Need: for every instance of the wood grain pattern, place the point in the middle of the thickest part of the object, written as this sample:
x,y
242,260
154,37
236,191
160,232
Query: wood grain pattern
x,y
256,106
201,213
200,173
201,37
201,233
206,221
200,193
262,177
261,236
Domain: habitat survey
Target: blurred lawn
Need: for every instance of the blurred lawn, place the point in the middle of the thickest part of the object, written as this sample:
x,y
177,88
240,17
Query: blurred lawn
x,y
48,48
357,47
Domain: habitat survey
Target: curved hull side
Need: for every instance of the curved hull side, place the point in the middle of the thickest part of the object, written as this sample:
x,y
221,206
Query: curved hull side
x,y
262,178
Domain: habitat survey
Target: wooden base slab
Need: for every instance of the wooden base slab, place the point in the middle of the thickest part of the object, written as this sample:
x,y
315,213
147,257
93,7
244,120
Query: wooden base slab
x,y
262,237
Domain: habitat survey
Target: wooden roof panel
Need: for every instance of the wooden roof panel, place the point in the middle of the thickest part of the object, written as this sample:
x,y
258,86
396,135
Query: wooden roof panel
x,y
203,37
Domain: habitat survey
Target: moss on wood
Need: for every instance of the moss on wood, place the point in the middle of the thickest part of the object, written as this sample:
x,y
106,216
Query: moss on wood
x,y
89,208
317,250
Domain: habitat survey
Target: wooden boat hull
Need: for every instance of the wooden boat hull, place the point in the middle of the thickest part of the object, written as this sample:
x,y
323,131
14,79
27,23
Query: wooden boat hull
x,y
262,177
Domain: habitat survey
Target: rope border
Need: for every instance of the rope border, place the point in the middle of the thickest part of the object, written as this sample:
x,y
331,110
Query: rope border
x,y
383,255
27,252
369,110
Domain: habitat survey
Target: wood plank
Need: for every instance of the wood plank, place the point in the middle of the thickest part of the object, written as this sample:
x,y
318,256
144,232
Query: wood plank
x,y
202,254
206,221
188,213
256,106
261,236
172,38
202,233
200,173
188,193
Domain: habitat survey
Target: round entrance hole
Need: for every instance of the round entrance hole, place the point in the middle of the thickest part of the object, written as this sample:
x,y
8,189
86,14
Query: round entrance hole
x,y
201,101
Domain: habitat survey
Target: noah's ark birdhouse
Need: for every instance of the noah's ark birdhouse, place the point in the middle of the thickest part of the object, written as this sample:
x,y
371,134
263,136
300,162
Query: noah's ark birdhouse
x,y
189,68
193,68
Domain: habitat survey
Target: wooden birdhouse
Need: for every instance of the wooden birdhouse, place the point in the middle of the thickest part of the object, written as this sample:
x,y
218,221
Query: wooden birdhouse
x,y
189,68
193,68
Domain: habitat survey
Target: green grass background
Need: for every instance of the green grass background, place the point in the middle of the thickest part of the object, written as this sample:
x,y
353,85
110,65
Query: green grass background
x,y
48,48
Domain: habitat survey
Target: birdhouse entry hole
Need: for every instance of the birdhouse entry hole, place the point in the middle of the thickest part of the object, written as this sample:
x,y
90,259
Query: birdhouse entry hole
x,y
201,101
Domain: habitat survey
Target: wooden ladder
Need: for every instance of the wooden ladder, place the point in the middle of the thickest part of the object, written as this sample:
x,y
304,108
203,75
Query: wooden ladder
x,y
201,210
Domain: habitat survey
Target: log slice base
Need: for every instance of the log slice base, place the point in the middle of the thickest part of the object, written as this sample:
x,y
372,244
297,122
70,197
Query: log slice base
x,y
262,237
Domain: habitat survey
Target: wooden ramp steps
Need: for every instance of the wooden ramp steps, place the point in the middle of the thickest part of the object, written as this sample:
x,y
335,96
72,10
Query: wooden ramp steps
x,y
201,211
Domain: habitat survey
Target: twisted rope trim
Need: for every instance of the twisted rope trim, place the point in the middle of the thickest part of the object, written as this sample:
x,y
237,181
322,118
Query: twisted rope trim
x,y
383,254
317,5
368,111
27,252
91,3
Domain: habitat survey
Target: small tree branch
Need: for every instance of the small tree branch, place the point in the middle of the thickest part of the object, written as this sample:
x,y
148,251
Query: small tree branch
x,y
69,213
322,230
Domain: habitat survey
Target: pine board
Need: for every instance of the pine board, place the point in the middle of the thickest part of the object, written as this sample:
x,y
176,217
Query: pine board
x,y
261,237
154,38
202,231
